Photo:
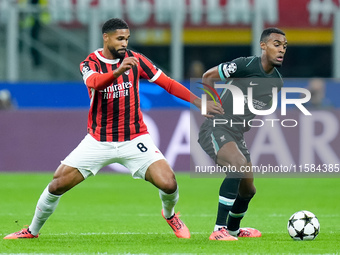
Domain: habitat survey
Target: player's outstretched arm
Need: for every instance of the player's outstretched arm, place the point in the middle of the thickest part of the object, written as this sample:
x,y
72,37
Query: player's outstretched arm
x,y
180,91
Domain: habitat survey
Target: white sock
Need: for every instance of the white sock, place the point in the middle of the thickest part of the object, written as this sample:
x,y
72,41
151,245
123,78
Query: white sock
x,y
168,202
46,205
217,227
233,233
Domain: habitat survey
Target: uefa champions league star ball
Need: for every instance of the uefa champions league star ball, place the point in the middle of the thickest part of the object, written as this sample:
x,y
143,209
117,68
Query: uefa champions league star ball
x,y
303,225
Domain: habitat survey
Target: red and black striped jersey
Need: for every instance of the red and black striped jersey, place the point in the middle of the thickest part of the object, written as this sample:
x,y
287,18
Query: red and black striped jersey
x,y
115,113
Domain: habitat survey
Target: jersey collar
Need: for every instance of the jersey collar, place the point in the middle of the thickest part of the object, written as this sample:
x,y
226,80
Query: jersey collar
x,y
105,60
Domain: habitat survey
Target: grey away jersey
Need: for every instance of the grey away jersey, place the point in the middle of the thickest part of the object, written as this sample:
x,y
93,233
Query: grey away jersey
x,y
244,73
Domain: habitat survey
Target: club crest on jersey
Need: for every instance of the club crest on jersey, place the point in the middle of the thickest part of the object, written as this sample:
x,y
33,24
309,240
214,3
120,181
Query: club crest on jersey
x,y
127,72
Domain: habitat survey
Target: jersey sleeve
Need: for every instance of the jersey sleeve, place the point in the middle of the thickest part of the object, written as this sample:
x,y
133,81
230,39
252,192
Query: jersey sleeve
x,y
147,69
175,88
91,76
231,69
88,67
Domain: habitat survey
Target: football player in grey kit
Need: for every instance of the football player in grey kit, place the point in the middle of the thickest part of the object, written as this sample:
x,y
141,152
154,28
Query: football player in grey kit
x,y
225,143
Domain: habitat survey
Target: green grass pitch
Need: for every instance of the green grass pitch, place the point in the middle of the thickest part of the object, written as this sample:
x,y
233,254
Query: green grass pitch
x,y
114,214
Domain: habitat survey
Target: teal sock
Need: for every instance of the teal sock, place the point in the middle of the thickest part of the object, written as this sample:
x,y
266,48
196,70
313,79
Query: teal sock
x,y
227,196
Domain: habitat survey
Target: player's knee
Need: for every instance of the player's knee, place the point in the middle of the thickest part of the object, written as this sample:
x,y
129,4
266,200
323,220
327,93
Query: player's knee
x,y
59,185
169,186
248,193
53,188
64,179
56,187
251,192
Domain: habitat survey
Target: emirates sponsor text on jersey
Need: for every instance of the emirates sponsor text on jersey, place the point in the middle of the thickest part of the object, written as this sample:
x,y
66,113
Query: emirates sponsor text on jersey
x,y
117,90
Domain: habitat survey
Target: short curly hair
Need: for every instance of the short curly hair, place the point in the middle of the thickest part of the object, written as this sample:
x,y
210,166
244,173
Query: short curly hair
x,y
114,24
271,30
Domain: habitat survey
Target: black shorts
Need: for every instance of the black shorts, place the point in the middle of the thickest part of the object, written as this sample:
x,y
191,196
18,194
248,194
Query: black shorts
x,y
212,139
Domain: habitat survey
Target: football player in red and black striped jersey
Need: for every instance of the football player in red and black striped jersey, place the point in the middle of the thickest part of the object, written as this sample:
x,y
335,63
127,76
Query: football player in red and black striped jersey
x,y
116,130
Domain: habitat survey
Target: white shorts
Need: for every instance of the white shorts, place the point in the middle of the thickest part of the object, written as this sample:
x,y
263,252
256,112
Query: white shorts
x,y
91,155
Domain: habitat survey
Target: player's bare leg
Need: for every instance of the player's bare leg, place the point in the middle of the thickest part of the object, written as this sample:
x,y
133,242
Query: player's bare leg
x,y
64,179
247,188
162,176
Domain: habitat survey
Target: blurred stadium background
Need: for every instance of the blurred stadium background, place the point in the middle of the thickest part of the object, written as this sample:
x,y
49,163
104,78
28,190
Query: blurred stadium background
x,y
44,101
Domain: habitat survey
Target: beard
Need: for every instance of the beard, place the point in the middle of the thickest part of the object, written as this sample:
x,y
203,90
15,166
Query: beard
x,y
117,53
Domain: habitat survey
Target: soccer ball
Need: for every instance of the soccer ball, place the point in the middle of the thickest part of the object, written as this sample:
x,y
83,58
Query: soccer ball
x,y
303,225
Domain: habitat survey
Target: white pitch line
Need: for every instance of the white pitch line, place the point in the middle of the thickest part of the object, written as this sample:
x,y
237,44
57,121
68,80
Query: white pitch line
x,y
95,253
117,233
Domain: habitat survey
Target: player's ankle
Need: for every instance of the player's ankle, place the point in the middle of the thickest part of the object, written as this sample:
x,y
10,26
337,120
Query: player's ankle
x,y
234,232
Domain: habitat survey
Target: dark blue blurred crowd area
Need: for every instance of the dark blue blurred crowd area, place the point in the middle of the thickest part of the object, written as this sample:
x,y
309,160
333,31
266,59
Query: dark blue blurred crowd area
x,y
74,95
